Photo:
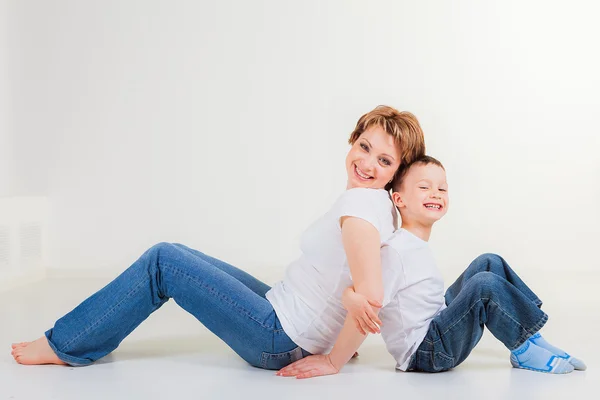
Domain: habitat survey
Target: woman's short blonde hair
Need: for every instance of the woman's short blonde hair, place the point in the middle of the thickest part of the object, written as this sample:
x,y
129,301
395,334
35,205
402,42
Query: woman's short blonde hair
x,y
402,125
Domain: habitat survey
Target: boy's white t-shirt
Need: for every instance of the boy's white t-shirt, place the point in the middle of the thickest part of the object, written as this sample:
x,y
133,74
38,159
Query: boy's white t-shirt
x,y
308,299
413,294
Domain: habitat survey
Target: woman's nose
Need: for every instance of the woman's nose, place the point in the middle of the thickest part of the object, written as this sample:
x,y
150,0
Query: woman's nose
x,y
372,163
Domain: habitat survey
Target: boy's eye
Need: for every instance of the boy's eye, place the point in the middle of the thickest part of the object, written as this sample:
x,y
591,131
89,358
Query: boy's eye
x,y
364,146
423,187
443,190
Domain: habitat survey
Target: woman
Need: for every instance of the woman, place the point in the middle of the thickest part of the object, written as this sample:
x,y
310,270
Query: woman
x,y
268,327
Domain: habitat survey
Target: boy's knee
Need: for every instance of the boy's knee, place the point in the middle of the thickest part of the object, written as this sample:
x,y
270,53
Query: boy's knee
x,y
485,283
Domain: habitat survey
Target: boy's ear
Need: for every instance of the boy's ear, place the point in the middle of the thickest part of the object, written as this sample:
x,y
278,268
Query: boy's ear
x,y
397,199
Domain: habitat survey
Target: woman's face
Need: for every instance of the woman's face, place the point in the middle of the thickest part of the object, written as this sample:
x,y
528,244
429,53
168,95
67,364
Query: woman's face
x,y
372,160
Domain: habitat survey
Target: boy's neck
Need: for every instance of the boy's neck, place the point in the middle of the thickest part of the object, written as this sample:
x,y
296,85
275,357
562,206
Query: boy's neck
x,y
419,230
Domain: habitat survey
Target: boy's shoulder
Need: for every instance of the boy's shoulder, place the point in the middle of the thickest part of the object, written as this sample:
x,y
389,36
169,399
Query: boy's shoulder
x,y
402,241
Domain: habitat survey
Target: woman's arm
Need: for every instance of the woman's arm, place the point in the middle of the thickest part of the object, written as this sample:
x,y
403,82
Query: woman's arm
x,y
360,309
348,341
362,245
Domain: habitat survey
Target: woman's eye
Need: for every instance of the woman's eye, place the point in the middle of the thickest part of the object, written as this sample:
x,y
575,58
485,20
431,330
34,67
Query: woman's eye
x,y
385,161
364,146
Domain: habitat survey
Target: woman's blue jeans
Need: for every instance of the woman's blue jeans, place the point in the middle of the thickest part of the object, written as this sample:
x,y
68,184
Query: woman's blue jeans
x,y
488,293
228,301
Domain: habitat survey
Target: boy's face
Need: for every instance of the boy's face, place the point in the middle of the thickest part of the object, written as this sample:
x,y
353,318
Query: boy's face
x,y
423,196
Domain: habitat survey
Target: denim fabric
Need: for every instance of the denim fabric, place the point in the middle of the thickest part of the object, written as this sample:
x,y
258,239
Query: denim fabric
x,y
490,294
228,301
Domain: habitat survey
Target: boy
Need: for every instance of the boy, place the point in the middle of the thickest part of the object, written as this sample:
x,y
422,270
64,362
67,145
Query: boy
x,y
427,330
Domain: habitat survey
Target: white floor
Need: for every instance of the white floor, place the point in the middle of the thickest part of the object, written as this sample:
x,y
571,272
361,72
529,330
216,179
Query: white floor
x,y
172,356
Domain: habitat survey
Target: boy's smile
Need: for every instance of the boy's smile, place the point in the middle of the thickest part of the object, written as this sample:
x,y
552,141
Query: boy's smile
x,y
422,197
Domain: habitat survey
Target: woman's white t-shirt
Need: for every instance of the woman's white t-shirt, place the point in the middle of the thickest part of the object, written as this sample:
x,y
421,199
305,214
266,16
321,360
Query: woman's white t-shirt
x,y
308,299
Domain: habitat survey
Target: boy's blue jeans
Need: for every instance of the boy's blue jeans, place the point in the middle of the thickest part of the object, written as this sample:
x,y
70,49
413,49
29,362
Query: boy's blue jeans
x,y
488,293
228,301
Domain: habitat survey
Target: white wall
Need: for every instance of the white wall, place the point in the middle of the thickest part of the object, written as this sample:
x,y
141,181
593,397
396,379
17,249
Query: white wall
x,y
6,161
223,124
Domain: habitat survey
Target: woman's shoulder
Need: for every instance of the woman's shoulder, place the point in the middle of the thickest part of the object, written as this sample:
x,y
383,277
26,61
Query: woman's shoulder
x,y
372,205
365,195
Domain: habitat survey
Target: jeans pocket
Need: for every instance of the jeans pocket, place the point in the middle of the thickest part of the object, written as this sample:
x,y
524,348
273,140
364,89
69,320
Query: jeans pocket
x,y
442,361
277,361
433,361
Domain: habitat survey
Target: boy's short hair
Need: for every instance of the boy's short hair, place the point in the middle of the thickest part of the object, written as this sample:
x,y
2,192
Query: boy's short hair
x,y
423,160
401,125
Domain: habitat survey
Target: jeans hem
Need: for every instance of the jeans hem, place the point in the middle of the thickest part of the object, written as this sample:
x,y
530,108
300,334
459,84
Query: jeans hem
x,y
72,361
530,332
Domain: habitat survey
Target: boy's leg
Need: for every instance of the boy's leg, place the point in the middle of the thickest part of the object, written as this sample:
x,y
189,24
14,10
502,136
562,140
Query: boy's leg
x,y
497,265
486,299
240,317
251,282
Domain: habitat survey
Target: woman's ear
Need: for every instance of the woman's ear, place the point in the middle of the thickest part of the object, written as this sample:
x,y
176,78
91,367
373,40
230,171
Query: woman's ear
x,y
397,199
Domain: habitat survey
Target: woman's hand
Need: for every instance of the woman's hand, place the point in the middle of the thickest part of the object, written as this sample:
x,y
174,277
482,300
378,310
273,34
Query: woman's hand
x,y
309,367
360,309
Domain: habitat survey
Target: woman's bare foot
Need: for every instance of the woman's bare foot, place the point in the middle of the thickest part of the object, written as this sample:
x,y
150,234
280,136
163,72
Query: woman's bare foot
x,y
35,353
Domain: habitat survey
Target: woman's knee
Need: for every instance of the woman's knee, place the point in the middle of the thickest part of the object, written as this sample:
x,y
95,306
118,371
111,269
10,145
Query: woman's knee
x,y
160,251
489,258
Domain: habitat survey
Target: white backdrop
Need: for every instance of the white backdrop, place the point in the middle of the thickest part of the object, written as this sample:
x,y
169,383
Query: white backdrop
x,y
6,161
223,124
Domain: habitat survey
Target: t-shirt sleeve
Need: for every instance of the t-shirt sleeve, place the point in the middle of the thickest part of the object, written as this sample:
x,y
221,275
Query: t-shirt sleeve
x,y
362,203
392,272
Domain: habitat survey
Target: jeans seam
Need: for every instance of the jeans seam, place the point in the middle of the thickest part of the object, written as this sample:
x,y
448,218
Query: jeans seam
x,y
521,340
213,290
473,305
523,329
97,321
460,319
507,314
528,333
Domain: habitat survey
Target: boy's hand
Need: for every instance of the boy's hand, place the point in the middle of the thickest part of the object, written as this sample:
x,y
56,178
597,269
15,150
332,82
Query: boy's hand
x,y
360,309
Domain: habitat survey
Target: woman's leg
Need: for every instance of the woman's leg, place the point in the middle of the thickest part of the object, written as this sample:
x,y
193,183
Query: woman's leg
x,y
251,282
244,320
497,265
486,300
